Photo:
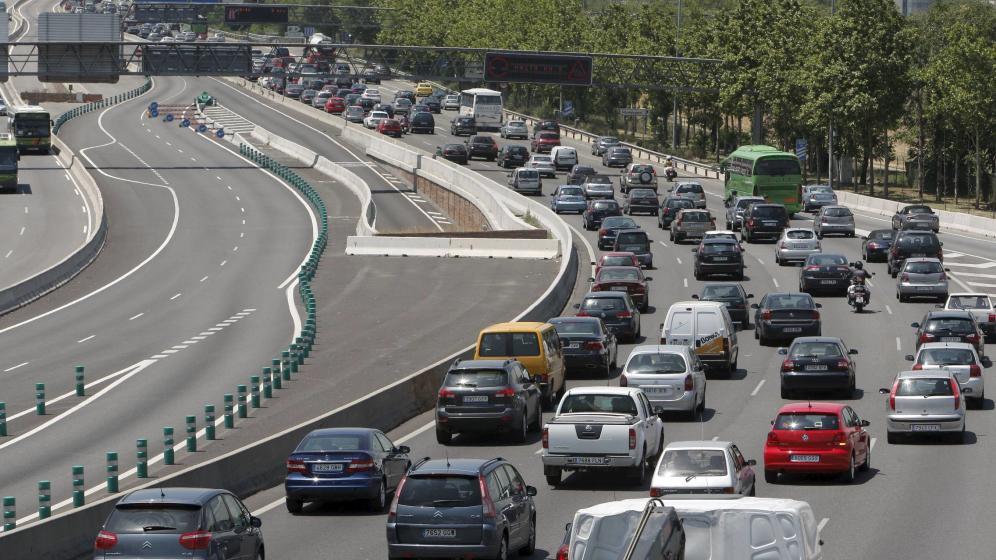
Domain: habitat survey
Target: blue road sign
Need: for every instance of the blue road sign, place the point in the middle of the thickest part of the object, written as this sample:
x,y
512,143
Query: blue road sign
x,y
568,108
153,106
801,148
220,133
154,113
185,122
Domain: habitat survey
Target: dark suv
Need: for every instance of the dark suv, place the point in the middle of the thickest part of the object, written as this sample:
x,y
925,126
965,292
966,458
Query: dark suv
x,y
719,256
423,122
764,220
463,125
488,396
462,508
482,147
669,210
179,523
949,326
913,244
512,155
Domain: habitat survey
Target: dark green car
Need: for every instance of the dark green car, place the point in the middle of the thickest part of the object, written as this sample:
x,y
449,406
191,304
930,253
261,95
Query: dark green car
x,y
204,99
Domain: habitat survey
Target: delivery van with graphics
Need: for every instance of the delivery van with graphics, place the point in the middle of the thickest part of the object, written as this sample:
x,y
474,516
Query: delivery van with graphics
x,y
706,327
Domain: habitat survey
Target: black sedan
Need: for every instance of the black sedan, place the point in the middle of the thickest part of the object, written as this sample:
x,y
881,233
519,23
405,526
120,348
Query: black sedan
x,y
616,310
433,104
642,200
482,147
732,295
577,174
456,153
462,125
598,210
785,316
669,210
825,272
875,246
512,155
588,345
817,363
719,255
610,226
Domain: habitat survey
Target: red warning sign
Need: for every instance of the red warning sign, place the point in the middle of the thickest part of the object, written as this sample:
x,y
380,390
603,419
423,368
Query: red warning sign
x,y
538,69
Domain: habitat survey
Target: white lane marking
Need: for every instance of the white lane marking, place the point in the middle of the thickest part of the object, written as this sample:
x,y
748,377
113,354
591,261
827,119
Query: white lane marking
x,y
236,248
203,279
259,512
243,222
872,445
67,176
870,284
760,260
215,329
9,253
192,158
823,523
411,435
170,351
981,285
198,337
22,230
178,347
229,187
82,340
157,137
223,263
132,318
175,296
75,191
22,364
207,333
974,274
158,356
179,150
758,388
685,281
662,244
169,144
775,280
899,344
888,309
242,234
237,198
217,177
243,210
714,438
538,451
678,259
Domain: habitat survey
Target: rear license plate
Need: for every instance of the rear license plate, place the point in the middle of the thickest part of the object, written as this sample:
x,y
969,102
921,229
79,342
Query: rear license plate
x,y
720,259
656,389
925,427
618,288
475,398
918,255
923,288
587,460
439,533
804,458
816,367
574,345
792,329
770,224
950,339
327,468
829,281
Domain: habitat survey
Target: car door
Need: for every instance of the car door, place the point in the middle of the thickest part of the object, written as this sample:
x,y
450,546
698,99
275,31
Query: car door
x,y
247,536
745,472
384,454
609,340
862,440
505,506
530,391
520,504
222,528
651,425
698,376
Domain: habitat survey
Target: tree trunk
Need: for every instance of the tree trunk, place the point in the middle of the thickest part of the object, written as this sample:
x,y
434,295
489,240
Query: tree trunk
x,y
921,141
957,159
978,167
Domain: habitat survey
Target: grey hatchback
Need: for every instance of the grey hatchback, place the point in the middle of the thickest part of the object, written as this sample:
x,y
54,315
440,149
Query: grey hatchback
x,y
462,508
181,523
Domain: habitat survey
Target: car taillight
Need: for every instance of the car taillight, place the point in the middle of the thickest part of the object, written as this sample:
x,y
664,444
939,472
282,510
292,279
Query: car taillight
x,y
562,551
656,492
195,540
603,231
106,540
360,465
905,277
839,440
766,315
917,366
632,438
446,394
926,337
892,396
873,245
712,222
955,391
639,289
624,314
750,223
974,370
729,490
973,338
781,244
894,251
944,277
668,211
596,287
689,385
582,313
392,513
787,365
295,465
546,438
487,502
843,364
992,317
773,438
595,345
508,392
816,315
679,221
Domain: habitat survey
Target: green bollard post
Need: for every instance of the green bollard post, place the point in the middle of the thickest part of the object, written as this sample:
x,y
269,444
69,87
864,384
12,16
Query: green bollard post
x,y
169,455
229,408
44,499
267,383
40,399
243,413
293,358
254,387
3,419
112,471
302,349
9,515
80,386
209,422
285,364
77,486
142,456
191,433
277,379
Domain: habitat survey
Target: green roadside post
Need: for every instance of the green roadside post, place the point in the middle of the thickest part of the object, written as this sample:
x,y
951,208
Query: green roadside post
x,y
294,359
40,399
9,515
243,413
80,386
277,374
209,422
302,349
191,433
77,486
285,364
44,499
112,471
229,411
169,456
142,456
3,419
254,387
267,383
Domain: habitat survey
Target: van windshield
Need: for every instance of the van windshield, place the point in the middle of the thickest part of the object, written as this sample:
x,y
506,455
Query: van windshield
x,y
685,462
502,344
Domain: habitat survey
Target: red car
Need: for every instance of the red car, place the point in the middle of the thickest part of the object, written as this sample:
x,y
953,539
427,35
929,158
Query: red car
x,y
617,258
543,142
629,279
390,127
817,437
335,105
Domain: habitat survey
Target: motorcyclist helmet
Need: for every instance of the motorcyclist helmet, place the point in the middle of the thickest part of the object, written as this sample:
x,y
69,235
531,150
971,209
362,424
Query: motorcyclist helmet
x,y
858,265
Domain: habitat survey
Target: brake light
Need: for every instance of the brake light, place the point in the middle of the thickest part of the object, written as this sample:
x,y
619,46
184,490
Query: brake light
x,y
926,337
750,223
446,394
892,396
562,551
624,314
689,385
773,438
632,438
489,505
295,465
992,317
839,440
392,513
729,490
603,231
656,492
593,345
507,392
944,277
582,313
873,245
973,338
766,315
195,540
787,365
956,391
667,211
816,315
843,364
360,465
623,381
106,540
546,438
639,289
905,277
917,366
781,244
712,221
974,370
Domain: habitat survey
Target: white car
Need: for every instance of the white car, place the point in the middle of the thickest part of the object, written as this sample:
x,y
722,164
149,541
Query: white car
x,y
961,359
796,244
703,467
981,306
451,102
371,93
930,402
515,129
671,376
374,118
543,164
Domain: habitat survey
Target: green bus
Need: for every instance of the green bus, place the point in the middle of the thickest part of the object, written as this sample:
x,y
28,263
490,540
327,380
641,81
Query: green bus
x,y
32,127
9,155
764,171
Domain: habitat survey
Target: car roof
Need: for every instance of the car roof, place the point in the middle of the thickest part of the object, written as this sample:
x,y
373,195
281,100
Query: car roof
x,y
810,230
703,444
629,230
976,294
801,339
720,232
661,349
174,495
620,267
459,466
933,345
924,373
922,259
602,390
514,326
949,314
697,303
814,407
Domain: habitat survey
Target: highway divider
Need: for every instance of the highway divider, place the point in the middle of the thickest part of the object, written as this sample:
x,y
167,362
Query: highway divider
x,y
957,221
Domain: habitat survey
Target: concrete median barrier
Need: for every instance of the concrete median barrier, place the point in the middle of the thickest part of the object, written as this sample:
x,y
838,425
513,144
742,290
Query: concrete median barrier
x,y
953,221
452,247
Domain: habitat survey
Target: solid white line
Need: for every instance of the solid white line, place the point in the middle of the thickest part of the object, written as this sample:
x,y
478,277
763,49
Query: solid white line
x,y
757,389
899,344
135,316
888,310
82,340
259,512
411,435
678,259
15,367
775,280
175,296
662,243
870,284
823,523
203,279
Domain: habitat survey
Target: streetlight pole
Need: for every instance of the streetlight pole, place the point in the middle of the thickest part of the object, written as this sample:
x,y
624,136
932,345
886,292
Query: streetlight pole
x,y
674,111
833,9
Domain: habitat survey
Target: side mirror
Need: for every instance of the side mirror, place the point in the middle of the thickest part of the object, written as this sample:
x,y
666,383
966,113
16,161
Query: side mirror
x,y
853,351
695,296
915,325
591,279
658,409
255,522
754,306
749,296
865,423
986,362
530,490
695,251
783,351
402,449
947,270
909,357
649,279
772,422
577,306
819,305
884,391
751,462
864,237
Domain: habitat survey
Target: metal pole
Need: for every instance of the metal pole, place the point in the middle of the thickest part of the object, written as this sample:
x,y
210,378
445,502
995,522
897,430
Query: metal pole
x,y
833,9
674,111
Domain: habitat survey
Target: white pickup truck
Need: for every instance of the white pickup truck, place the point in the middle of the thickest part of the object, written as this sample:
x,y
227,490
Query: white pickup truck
x,y
598,428
982,308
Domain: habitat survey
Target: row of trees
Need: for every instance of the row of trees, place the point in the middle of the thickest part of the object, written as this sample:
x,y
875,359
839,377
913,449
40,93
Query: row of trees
x,y
925,85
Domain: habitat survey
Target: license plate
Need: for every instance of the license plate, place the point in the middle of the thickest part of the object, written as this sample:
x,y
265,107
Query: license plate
x,y
327,468
439,533
656,389
618,288
574,345
925,427
587,460
917,255
720,259
923,288
792,329
804,458
828,281
816,367
475,398
860,299
950,339
770,223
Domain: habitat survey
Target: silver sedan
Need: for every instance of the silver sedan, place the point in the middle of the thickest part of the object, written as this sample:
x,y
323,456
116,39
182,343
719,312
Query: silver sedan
x,y
961,359
515,129
543,164
922,277
920,403
796,244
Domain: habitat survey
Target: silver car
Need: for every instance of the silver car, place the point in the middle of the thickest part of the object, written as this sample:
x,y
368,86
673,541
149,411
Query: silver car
x,y
796,244
817,196
514,129
833,220
691,223
703,467
922,277
568,198
451,102
735,211
598,186
961,359
598,147
920,213
543,164
925,402
670,375
692,190
320,99
353,114
617,156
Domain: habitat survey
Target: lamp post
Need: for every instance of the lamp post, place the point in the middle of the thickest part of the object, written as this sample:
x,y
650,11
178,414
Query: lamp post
x,y
674,110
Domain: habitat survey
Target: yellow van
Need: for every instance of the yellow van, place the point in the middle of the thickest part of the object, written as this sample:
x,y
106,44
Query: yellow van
x,y
535,345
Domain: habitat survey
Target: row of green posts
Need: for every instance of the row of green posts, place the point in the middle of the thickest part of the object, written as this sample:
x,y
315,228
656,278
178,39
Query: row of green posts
x,y
106,102
277,376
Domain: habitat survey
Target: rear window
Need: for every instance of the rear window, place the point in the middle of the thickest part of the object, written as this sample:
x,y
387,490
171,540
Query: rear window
x,y
923,242
509,344
720,292
627,274
925,387
789,301
837,212
620,404
679,203
605,205
440,491
477,378
946,357
682,462
577,327
517,150
919,210
689,188
923,267
777,167
602,179
603,304
632,238
583,170
135,518
815,350
619,150
549,136
799,234
528,174
574,191
715,248
881,234
656,363
642,193
953,325
482,140
969,302
826,260
769,212
640,168
695,217
336,442
617,261
800,421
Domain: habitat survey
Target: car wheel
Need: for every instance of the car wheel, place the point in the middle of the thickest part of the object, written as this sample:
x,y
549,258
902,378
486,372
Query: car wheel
x,y
891,437
866,465
900,296
786,394
671,236
740,275
537,424
639,472
294,506
530,547
852,390
771,477
378,502
729,225
848,475
745,324
552,475
522,434
503,549
443,437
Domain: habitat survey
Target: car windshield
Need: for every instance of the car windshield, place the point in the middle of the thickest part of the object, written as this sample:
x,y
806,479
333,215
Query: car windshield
x,y
688,189
440,491
620,404
929,267
952,325
714,248
687,462
799,234
577,327
623,274
608,140
516,124
154,517
946,357
821,189
777,167
789,301
723,292
837,212
509,344
918,210
769,211
826,260
695,217
969,302
656,363
571,191
476,378
925,387
335,442
632,238
815,350
805,421
618,260
542,159
603,304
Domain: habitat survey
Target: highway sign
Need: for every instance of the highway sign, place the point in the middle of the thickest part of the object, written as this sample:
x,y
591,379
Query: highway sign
x,y
633,112
259,13
568,110
801,149
538,68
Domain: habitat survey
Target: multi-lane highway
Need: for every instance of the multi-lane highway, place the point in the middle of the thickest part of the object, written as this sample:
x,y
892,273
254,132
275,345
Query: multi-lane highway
x,y
875,517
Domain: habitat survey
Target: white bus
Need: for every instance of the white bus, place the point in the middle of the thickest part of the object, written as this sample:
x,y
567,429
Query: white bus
x,y
482,104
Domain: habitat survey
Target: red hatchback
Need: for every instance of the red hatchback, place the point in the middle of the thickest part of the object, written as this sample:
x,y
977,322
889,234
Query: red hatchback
x,y
543,142
335,105
817,437
390,127
617,258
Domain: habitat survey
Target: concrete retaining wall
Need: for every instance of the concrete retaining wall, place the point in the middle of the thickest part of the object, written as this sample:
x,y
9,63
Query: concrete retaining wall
x,y
453,247
955,221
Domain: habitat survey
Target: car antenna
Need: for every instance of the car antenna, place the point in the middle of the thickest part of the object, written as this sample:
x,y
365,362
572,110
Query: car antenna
x,y
162,495
810,403
447,458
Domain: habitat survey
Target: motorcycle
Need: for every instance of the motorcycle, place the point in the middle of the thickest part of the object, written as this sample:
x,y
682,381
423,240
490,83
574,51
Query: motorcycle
x,y
670,173
859,298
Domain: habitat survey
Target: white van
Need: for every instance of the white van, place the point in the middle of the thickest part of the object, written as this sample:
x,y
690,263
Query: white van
x,y
706,327
525,180
564,157
717,528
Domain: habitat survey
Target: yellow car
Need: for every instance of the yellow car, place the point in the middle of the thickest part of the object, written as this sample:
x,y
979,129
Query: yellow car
x,y
423,90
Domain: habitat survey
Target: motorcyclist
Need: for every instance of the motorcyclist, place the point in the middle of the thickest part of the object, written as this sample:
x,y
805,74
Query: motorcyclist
x,y
858,283
669,171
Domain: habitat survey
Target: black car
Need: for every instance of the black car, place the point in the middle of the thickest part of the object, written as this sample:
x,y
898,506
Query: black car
x,y
456,153
367,104
598,210
386,107
512,155
764,220
608,228
635,241
578,173
422,122
669,210
825,272
950,326
483,147
405,93
588,344
432,102
875,246
817,363
463,125
642,200
487,397
912,243
785,315
719,255
548,125
371,76
733,296
616,310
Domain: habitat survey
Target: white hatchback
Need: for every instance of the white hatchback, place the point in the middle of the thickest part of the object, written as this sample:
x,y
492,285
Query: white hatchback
x,y
374,118
703,467
671,376
961,359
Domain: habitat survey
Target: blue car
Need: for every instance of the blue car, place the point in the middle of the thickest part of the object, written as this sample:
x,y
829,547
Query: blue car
x,y
568,198
344,464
